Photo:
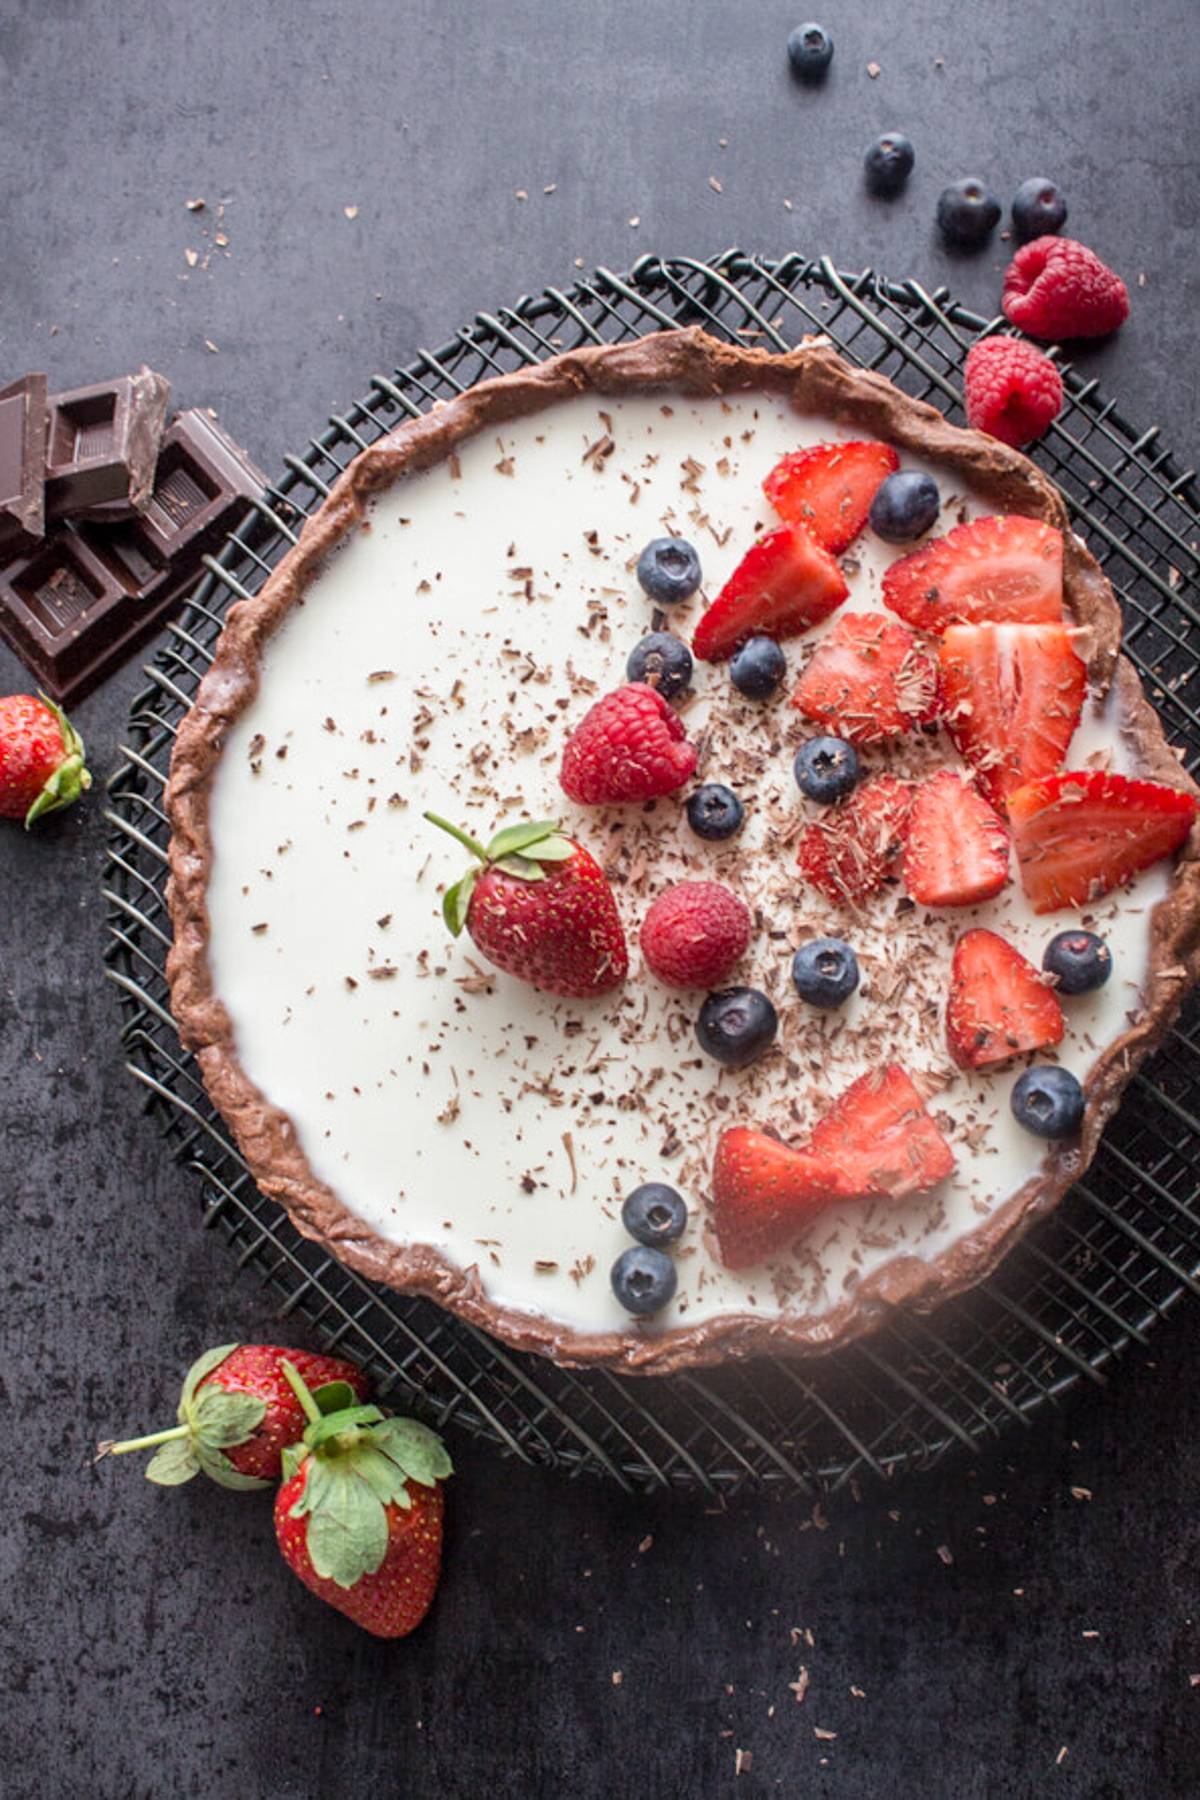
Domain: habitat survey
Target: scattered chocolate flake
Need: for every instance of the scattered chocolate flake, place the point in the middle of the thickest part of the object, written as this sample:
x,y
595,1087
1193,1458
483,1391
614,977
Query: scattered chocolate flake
x,y
544,1266
259,929
382,675
382,971
568,1143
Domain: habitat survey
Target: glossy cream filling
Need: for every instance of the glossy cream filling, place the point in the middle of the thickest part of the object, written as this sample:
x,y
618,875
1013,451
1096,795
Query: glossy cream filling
x,y
439,661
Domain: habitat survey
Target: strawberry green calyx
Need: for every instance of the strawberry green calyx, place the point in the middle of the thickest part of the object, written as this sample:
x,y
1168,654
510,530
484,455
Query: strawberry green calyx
x,y
70,779
356,1463
519,850
211,1421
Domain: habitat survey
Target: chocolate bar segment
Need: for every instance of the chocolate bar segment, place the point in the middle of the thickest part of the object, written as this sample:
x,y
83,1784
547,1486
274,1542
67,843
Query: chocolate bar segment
x,y
102,446
75,607
201,487
22,442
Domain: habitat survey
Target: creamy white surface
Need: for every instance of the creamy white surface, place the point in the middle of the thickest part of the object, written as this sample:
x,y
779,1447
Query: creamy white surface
x,y
433,1109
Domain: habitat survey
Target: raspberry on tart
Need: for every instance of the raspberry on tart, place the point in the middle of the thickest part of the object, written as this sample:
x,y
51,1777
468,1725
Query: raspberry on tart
x,y
629,746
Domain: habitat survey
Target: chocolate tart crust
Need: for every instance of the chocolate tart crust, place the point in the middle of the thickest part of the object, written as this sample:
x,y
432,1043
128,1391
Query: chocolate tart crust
x,y
814,380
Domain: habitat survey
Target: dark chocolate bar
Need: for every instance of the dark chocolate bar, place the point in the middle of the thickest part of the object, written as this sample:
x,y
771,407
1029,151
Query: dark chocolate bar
x,y
22,447
77,606
102,446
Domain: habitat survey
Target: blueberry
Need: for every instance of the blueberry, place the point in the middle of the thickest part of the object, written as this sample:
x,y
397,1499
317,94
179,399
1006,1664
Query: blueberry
x,y
1081,960
736,1025
967,214
663,660
1048,1101
669,570
714,812
643,1279
654,1214
826,769
1038,209
810,51
758,668
825,971
889,163
906,504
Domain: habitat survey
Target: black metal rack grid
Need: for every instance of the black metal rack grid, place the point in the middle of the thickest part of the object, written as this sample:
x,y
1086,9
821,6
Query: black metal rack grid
x,y
1121,1251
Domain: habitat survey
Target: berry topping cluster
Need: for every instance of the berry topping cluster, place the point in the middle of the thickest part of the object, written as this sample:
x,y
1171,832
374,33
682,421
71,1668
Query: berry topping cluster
x,y
972,642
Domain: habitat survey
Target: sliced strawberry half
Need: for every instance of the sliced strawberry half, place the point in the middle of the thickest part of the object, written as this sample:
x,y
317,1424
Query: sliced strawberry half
x,y
880,1140
829,489
763,1193
999,1005
877,1142
956,850
849,853
1079,834
1011,699
784,583
868,680
1005,568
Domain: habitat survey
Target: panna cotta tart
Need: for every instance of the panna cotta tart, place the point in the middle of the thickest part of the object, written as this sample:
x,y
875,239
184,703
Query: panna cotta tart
x,y
673,864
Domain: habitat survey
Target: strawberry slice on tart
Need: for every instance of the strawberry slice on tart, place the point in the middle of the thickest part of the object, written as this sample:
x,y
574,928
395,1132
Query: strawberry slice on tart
x,y
763,1193
1011,698
880,1138
956,849
1080,834
850,852
868,680
1002,567
784,584
999,1004
828,489
876,1142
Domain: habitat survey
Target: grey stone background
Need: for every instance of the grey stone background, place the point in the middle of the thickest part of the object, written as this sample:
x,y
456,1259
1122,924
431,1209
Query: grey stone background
x,y
151,1643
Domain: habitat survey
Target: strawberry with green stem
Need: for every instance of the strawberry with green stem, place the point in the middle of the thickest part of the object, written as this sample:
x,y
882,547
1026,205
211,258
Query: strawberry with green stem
x,y
238,1413
539,907
41,758
359,1516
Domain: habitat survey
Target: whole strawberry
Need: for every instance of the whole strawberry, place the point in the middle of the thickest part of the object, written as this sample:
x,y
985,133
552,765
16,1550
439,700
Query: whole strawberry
x,y
359,1515
238,1413
629,746
41,758
540,908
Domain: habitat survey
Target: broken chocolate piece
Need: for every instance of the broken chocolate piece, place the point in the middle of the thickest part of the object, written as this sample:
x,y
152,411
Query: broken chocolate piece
x,y
22,437
102,446
76,606
201,487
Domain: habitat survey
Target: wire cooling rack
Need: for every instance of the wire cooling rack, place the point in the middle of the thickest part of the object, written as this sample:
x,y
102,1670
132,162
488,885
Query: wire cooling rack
x,y
1123,1248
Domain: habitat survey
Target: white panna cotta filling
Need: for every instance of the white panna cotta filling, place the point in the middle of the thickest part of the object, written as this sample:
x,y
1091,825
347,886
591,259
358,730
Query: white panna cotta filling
x,y
440,660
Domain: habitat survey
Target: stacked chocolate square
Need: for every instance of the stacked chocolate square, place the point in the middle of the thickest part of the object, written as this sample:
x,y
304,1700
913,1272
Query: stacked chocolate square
x,y
105,514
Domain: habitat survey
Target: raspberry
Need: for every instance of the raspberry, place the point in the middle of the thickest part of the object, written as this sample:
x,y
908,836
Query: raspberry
x,y
1014,392
629,746
694,934
1055,288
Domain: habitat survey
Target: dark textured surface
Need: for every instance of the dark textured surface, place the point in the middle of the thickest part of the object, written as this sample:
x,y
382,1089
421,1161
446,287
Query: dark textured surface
x,y
151,1644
